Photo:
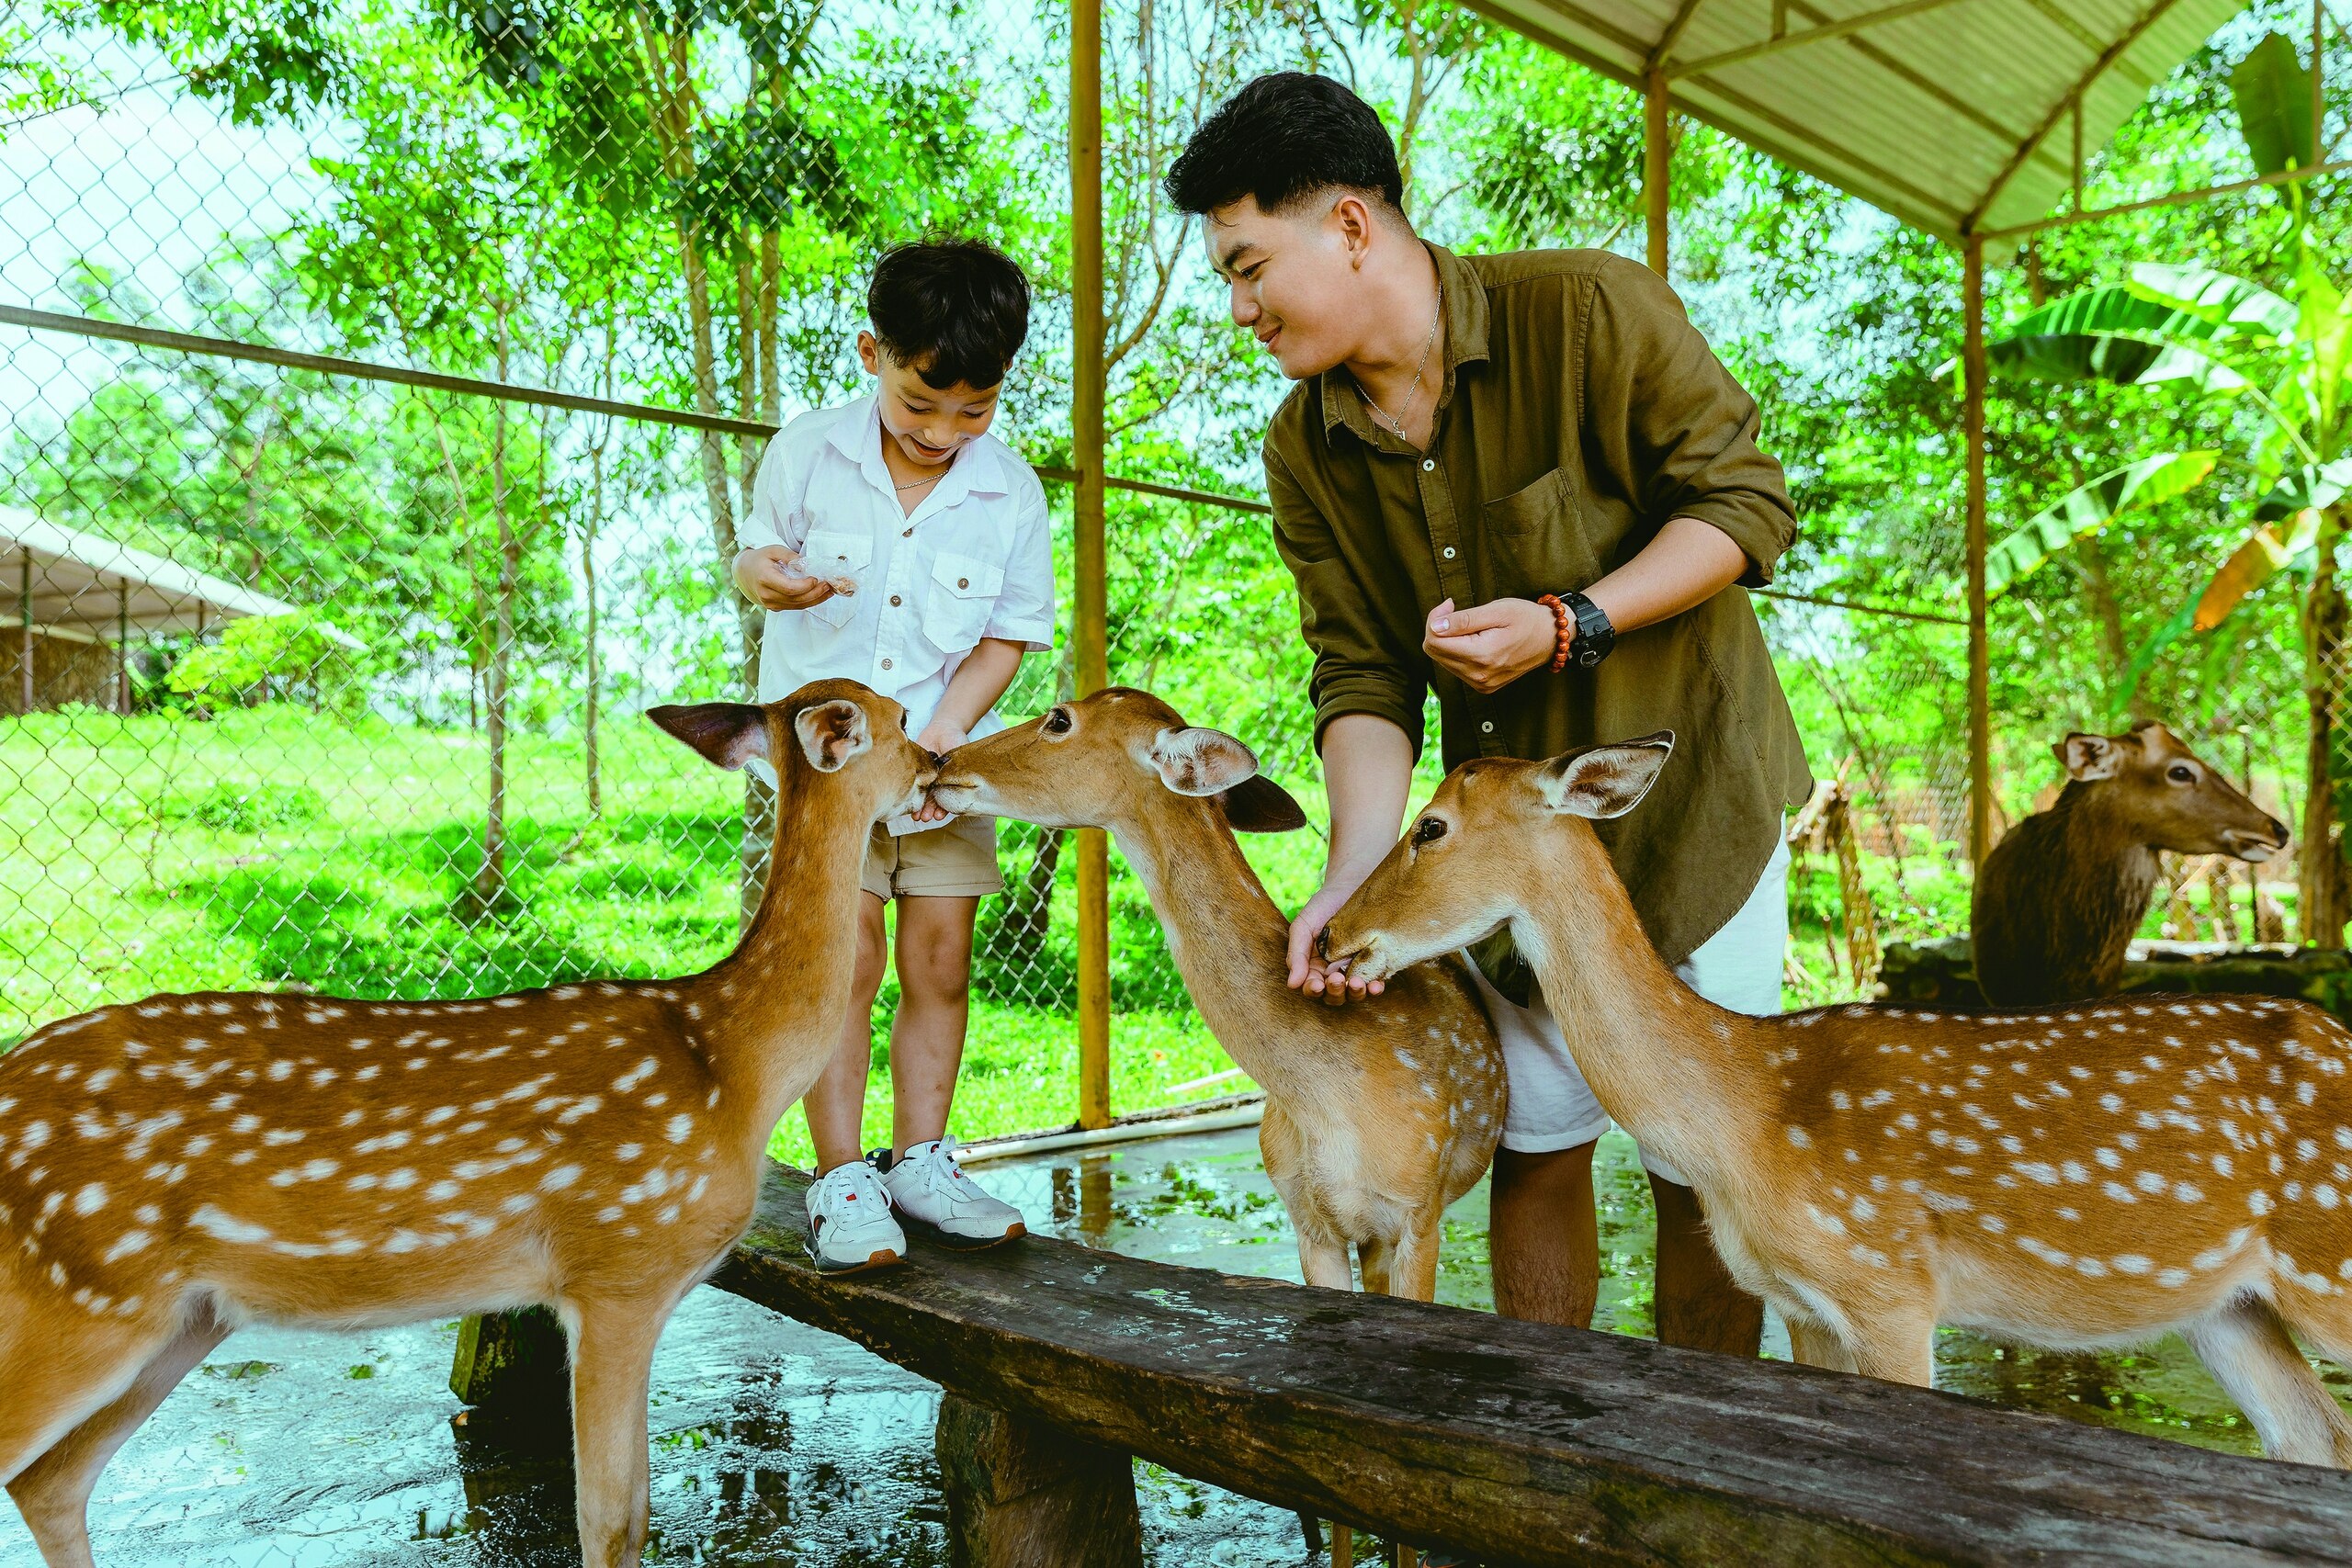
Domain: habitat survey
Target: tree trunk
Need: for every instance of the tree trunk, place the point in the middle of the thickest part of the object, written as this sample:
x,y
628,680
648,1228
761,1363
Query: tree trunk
x,y
490,882
2321,897
588,577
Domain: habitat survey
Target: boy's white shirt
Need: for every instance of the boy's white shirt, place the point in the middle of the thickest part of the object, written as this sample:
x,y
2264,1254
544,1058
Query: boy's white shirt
x,y
974,560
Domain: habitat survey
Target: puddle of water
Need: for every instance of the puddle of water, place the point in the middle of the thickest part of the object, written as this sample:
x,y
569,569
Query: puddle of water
x,y
778,1444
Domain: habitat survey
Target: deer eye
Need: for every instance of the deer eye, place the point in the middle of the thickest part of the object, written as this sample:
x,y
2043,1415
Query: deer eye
x,y
2181,773
1427,830
1057,722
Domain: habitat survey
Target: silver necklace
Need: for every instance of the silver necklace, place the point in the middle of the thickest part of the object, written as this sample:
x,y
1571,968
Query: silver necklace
x,y
913,484
1413,392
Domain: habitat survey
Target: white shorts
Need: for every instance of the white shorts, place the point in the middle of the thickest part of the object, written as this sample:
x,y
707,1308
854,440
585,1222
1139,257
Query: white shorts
x,y
1739,967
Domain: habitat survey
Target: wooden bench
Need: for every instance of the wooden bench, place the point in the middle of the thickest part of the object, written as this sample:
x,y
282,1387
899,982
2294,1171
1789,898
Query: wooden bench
x,y
1512,1442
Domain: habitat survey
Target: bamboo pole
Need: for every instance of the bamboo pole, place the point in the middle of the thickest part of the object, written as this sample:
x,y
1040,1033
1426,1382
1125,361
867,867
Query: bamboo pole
x,y
1980,705
1657,161
1091,613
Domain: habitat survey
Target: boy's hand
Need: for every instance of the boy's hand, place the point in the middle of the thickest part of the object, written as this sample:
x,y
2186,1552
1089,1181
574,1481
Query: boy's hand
x,y
938,737
771,577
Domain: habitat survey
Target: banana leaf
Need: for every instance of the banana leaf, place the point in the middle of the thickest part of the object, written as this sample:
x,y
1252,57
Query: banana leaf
x,y
2155,328
2262,556
2302,488
2145,483
2274,99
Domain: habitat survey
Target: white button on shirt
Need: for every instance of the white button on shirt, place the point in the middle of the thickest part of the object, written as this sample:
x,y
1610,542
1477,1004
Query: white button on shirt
x,y
974,559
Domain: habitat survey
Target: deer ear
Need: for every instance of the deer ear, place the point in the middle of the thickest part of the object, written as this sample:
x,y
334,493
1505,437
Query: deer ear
x,y
832,733
2086,758
1201,761
1259,804
729,734
1602,782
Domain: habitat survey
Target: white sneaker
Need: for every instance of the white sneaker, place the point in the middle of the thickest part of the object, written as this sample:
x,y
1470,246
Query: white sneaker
x,y
931,1190
850,1225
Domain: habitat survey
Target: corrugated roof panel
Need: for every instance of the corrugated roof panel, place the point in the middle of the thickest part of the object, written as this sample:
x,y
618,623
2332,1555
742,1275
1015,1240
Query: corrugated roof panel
x,y
1950,115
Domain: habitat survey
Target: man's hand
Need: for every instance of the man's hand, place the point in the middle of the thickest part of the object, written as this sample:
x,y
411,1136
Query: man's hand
x,y
1489,645
938,737
771,577
1308,971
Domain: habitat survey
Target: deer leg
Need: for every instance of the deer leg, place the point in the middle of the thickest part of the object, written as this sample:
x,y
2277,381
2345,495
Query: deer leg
x,y
1412,1271
1377,1259
1814,1346
1323,1259
58,1366
1895,1351
612,1360
53,1491
2248,1348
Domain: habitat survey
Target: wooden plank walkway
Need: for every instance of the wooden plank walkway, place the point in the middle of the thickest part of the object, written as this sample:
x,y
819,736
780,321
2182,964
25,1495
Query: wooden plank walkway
x,y
1525,1444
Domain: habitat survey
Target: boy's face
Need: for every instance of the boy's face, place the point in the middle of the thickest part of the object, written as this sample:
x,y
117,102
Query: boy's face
x,y
929,425
1294,276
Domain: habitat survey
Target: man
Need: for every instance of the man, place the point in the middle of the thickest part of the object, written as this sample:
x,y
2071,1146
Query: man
x,y
1469,434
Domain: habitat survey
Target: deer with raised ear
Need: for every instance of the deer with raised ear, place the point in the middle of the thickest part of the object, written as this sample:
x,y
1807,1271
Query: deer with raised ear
x,y
175,1168
2082,1177
1376,1117
2060,895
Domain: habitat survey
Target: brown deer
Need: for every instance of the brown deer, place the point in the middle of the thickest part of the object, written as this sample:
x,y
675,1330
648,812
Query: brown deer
x,y
174,1168
2083,1176
2060,895
1376,1117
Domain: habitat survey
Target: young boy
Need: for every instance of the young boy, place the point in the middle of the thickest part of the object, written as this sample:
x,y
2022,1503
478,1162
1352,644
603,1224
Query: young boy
x,y
893,541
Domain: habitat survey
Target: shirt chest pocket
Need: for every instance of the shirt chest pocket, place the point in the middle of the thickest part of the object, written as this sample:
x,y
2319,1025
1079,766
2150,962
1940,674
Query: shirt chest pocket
x,y
1541,539
964,590
836,553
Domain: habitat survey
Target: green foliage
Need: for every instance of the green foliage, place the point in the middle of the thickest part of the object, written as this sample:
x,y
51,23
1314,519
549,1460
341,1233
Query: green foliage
x,y
2273,90
297,650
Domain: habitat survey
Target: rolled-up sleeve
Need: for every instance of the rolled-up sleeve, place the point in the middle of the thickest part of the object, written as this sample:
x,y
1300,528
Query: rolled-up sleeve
x,y
1359,665
1024,610
1679,433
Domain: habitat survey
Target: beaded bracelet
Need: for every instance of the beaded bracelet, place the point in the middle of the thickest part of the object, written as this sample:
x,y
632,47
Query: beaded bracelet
x,y
1564,635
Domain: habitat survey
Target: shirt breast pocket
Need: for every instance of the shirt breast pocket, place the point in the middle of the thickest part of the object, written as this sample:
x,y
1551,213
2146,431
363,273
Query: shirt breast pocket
x,y
964,590
830,553
1541,539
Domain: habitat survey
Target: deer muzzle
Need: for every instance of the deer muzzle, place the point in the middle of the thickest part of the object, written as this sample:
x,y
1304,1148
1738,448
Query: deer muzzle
x,y
2253,847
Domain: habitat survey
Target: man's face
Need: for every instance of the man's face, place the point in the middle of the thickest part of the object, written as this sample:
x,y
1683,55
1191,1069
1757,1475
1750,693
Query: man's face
x,y
1293,277
930,425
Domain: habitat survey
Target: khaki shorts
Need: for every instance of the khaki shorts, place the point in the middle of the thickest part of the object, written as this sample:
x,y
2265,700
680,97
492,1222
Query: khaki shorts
x,y
955,859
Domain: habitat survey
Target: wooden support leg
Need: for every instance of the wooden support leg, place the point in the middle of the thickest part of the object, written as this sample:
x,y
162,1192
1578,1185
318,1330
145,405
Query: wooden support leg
x,y
1020,1495
511,1370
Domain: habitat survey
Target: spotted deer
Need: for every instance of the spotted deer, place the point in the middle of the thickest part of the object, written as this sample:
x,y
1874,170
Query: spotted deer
x,y
175,1168
1377,1117
2061,893
2078,1177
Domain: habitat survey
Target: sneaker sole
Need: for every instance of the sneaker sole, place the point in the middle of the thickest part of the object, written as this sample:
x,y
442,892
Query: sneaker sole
x,y
959,1243
883,1259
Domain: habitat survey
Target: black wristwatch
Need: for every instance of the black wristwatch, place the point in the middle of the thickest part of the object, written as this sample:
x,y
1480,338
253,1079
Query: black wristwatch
x,y
1595,636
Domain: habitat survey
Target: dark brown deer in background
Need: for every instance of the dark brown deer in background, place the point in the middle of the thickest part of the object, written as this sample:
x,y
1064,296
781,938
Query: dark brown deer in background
x,y
2060,895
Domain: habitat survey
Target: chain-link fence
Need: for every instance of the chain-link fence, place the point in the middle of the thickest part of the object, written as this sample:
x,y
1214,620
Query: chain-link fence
x,y
328,675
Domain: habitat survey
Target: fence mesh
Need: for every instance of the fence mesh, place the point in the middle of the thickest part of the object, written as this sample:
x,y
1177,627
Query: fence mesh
x,y
322,681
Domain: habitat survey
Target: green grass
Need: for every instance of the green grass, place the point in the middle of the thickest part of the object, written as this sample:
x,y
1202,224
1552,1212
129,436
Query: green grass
x,y
273,846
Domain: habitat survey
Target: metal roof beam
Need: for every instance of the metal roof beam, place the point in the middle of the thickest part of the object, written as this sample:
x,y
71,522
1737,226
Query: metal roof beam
x,y
1837,30
1662,55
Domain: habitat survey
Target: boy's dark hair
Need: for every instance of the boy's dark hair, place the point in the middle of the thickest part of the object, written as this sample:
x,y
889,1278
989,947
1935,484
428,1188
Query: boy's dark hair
x,y
1283,137
951,310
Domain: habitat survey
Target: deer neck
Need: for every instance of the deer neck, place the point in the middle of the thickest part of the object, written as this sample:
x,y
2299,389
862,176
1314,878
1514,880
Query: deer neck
x,y
2103,870
1230,941
1680,1073
771,1010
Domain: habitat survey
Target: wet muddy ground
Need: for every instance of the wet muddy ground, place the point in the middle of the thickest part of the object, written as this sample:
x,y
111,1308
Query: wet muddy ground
x,y
778,1444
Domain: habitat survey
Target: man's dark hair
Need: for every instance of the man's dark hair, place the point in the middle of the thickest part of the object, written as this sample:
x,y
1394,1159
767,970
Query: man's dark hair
x,y
951,310
1283,137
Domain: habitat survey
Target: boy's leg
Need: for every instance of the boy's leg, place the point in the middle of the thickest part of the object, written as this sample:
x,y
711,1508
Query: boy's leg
x,y
934,946
835,1104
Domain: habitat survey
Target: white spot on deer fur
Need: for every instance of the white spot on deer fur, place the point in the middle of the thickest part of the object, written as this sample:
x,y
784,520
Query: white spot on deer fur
x,y
562,1176
441,1191
636,1075
1799,1138
279,1136
225,1227
2045,1174
2149,1181
680,1128
90,1199
2188,1192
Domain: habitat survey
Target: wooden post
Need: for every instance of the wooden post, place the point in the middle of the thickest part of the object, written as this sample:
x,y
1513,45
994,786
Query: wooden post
x,y
511,1370
1657,161
1980,699
24,626
1090,633
1022,1495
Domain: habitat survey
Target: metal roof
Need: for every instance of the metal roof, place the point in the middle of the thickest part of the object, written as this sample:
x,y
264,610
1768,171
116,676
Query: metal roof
x,y
1952,115
84,585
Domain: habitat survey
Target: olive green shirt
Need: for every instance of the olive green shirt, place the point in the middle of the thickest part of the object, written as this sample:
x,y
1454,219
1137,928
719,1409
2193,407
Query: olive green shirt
x,y
1580,411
